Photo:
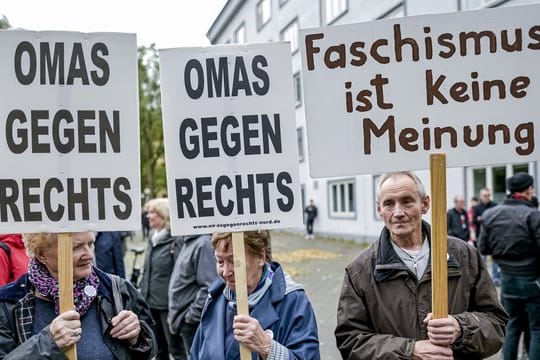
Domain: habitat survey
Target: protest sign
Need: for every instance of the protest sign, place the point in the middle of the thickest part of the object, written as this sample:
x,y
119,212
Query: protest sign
x,y
69,139
230,138
382,96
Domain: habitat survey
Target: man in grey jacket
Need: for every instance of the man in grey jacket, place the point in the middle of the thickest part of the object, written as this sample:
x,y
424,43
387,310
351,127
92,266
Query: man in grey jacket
x,y
194,272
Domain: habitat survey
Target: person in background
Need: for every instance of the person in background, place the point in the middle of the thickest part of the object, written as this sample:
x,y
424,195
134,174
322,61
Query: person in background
x,y
457,221
385,301
311,213
470,216
484,204
511,234
281,323
194,272
160,256
145,223
109,253
32,327
13,258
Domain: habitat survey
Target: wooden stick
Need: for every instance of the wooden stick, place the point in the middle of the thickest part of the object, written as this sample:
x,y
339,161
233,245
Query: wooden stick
x,y
65,282
240,281
439,246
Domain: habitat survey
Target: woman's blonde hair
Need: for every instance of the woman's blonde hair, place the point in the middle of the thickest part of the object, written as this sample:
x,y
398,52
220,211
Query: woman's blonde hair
x,y
257,242
161,207
34,243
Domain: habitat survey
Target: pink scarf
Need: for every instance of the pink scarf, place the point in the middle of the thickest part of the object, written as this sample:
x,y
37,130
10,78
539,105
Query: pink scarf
x,y
84,290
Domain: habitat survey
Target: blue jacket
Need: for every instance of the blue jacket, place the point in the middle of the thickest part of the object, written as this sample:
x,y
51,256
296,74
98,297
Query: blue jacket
x,y
284,310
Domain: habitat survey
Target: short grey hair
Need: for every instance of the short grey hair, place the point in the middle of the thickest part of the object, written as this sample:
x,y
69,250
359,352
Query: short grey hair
x,y
390,175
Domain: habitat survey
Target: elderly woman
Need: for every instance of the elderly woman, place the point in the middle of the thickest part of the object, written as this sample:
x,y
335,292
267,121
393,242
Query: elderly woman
x,y
160,256
32,327
281,324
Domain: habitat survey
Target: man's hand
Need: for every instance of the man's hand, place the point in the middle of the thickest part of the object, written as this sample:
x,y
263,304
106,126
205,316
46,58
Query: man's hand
x,y
126,326
66,329
425,350
443,332
249,333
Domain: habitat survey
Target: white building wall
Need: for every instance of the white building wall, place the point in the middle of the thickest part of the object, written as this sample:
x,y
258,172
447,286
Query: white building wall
x,y
365,225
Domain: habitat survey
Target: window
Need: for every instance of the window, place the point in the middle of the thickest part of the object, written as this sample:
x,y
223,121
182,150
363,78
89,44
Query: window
x,y
282,2
264,12
395,13
297,89
475,4
290,34
300,138
333,9
342,199
240,34
494,178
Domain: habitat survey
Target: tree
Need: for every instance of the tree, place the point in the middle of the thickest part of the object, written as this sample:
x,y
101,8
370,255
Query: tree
x,y
151,126
4,22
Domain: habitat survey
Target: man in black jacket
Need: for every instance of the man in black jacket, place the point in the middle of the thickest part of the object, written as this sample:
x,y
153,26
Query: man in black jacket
x,y
511,233
457,221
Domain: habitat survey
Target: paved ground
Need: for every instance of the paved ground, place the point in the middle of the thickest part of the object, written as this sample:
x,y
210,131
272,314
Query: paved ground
x,y
319,265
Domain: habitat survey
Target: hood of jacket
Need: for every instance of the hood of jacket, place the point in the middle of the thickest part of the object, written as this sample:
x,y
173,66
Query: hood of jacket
x,y
13,240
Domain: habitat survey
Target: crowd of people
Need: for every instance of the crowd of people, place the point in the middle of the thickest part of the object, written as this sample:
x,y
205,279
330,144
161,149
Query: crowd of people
x,y
510,234
186,305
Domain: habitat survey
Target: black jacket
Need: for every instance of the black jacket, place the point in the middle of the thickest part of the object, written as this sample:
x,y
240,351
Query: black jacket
x,y
511,233
479,211
457,227
16,299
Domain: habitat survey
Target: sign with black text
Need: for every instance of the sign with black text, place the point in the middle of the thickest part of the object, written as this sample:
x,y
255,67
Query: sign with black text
x,y
381,96
230,138
69,137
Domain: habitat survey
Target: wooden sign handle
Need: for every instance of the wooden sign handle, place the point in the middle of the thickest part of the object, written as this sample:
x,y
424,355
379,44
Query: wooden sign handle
x,y
240,281
65,282
439,246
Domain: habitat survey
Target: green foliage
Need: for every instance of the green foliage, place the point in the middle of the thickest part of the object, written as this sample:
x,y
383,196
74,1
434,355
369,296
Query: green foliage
x,y
151,126
4,22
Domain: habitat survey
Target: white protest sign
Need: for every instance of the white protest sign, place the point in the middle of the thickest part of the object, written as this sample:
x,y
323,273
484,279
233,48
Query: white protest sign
x,y
69,137
382,96
230,138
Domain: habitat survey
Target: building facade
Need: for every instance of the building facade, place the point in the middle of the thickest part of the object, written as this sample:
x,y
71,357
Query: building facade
x,y
347,206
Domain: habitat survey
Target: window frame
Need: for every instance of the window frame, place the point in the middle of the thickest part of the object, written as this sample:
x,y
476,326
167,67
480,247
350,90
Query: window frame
x,y
258,14
323,5
242,26
297,84
300,142
348,214
483,4
294,39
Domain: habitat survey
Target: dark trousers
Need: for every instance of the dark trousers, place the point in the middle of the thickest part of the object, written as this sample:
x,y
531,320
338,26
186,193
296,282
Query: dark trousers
x,y
166,343
520,296
186,336
309,226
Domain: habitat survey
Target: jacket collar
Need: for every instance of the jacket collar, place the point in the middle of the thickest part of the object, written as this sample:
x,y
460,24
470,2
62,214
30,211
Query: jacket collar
x,y
513,202
388,264
264,311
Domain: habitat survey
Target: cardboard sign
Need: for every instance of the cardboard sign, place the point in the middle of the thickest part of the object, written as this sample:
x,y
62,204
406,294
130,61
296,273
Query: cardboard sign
x,y
69,137
381,96
230,138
